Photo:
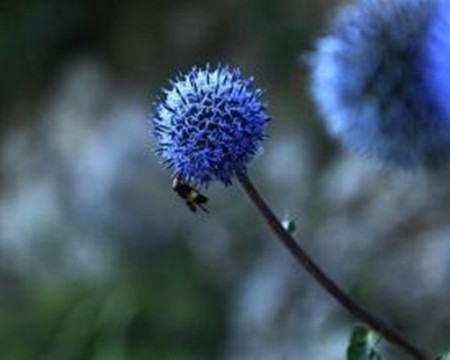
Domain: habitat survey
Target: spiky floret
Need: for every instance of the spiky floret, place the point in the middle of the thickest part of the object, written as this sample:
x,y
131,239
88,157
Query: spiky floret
x,y
209,124
368,82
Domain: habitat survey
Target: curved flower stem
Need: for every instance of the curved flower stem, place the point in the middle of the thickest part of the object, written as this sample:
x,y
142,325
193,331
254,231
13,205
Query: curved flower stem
x,y
389,333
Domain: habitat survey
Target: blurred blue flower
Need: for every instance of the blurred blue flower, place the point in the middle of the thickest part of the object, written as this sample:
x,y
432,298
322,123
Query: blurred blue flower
x,y
209,124
436,57
368,82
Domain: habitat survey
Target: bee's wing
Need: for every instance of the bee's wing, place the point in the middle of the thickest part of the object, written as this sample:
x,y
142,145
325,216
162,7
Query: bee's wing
x,y
203,208
201,199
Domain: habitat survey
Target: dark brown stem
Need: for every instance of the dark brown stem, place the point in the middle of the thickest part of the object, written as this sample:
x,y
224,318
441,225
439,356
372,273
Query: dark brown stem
x,y
388,333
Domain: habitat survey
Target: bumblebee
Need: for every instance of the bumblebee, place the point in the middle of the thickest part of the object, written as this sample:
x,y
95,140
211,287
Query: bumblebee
x,y
191,196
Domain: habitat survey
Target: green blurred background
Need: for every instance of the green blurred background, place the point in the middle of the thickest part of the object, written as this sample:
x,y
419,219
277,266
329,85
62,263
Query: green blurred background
x,y
100,260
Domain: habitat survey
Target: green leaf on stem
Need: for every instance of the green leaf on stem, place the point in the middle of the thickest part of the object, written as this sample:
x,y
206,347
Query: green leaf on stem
x,y
289,225
362,344
444,357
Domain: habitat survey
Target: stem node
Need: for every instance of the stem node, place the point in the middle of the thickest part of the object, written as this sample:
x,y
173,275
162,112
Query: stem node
x,y
387,331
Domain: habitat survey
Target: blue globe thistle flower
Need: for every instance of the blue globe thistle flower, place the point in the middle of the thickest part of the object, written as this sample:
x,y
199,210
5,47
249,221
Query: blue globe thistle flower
x,y
436,57
209,125
368,82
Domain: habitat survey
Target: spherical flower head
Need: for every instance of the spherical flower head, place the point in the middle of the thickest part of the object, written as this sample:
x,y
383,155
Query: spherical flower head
x,y
436,56
368,80
209,125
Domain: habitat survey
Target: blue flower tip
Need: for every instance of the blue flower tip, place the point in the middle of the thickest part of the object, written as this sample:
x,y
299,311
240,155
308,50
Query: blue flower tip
x,y
209,124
